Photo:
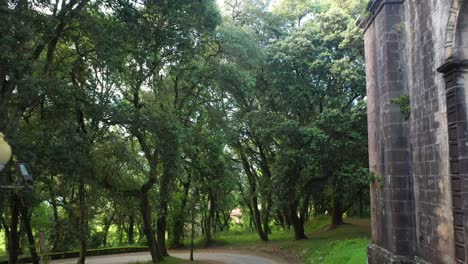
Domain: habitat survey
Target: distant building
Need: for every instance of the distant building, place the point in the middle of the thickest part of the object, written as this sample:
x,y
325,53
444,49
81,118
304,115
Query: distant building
x,y
236,215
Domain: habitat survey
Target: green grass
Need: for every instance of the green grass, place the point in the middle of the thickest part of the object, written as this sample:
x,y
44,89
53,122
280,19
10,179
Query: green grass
x,y
350,251
243,237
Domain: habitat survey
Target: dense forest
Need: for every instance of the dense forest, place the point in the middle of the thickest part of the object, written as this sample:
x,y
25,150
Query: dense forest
x,y
146,122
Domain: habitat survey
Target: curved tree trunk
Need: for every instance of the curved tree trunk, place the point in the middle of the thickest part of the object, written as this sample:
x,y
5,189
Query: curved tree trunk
x,y
147,228
256,217
258,221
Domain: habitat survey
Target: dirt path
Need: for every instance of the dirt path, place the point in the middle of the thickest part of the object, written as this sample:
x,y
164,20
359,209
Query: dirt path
x,y
201,256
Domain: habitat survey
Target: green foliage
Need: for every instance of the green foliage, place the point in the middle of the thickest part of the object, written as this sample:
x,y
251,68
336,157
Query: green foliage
x,y
403,101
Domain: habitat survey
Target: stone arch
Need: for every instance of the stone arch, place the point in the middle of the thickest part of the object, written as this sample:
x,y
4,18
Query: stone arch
x,y
455,72
457,30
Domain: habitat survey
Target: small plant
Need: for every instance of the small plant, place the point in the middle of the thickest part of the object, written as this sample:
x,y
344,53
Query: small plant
x,y
404,102
376,179
400,27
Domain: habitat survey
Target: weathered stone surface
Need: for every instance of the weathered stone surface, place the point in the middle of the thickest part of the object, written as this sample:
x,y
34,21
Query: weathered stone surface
x,y
420,209
380,255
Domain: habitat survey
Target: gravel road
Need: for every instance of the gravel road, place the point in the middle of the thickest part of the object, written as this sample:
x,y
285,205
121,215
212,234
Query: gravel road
x,y
200,256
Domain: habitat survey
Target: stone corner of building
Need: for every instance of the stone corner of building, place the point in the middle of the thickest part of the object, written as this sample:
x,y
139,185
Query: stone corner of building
x,y
379,255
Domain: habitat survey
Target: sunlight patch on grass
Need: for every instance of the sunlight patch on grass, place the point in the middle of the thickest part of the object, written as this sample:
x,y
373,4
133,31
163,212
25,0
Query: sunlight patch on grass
x,y
243,237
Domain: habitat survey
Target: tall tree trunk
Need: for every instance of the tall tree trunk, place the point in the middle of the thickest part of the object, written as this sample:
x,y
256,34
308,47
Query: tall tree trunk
x,y
266,189
131,230
57,227
148,229
258,221
169,160
265,214
209,218
161,225
83,221
25,217
179,220
304,210
297,224
152,158
14,239
337,211
161,222
105,231
192,231
253,197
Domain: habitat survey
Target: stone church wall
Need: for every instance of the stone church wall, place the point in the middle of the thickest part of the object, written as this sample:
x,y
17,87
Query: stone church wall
x,y
414,162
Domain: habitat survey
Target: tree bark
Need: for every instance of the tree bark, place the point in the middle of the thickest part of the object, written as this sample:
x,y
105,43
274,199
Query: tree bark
x,y
178,228
57,226
25,217
258,221
209,219
192,232
161,222
337,212
14,239
265,215
131,232
152,158
147,228
161,225
256,217
297,224
83,221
